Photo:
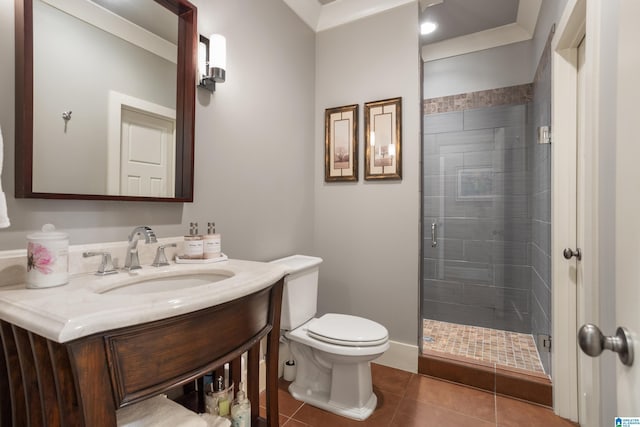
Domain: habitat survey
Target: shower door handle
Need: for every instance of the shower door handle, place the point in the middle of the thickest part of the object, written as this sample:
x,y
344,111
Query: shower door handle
x,y
434,235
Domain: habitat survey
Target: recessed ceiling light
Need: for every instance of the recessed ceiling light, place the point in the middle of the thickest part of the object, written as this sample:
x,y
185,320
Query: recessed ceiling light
x,y
428,28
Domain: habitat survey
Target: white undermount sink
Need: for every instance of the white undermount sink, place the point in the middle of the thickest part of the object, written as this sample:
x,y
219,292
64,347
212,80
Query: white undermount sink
x,y
169,283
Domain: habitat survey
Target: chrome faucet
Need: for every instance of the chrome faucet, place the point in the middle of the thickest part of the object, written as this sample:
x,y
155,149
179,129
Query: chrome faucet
x,y
132,261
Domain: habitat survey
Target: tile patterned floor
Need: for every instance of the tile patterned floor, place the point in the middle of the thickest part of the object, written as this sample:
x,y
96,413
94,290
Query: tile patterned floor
x,y
413,400
502,348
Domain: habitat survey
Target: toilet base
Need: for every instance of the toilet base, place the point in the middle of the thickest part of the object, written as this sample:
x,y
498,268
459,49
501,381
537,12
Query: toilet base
x,y
321,400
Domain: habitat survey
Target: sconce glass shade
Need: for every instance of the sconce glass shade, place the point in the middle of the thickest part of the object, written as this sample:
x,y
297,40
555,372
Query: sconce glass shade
x,y
202,60
212,58
217,57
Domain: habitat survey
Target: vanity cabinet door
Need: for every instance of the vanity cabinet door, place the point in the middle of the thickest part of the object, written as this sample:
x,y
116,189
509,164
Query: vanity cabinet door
x,y
148,359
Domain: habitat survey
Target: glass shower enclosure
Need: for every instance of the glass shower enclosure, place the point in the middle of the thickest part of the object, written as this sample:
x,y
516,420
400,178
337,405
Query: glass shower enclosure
x,y
487,225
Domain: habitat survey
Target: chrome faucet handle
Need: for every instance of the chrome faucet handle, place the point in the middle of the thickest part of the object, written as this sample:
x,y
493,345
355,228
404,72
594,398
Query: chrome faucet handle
x,y
106,265
161,257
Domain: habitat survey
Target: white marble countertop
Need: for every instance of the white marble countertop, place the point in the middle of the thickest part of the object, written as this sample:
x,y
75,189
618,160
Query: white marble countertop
x,y
80,308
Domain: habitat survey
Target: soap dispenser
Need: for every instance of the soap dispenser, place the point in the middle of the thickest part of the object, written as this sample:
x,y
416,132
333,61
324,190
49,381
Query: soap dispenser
x,y
241,410
212,242
193,247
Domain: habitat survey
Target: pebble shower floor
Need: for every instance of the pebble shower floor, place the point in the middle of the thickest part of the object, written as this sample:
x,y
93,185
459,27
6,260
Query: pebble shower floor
x,y
511,349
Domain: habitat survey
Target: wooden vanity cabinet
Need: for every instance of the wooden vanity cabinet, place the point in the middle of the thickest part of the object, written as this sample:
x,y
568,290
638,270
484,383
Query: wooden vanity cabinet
x,y
83,382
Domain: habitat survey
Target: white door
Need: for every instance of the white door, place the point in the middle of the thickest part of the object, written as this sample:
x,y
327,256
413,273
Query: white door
x,y
607,280
147,155
623,288
627,256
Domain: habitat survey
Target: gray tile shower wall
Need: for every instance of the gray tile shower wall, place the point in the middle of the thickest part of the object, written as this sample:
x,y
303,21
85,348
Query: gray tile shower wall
x,y
476,189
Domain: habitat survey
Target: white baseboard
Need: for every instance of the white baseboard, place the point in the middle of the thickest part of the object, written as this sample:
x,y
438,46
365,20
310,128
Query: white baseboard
x,y
400,356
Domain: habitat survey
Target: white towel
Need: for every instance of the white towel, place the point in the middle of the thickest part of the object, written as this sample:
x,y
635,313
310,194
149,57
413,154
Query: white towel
x,y
4,218
215,421
158,412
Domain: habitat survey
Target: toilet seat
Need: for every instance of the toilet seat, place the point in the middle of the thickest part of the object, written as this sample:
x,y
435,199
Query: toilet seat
x,y
346,330
301,335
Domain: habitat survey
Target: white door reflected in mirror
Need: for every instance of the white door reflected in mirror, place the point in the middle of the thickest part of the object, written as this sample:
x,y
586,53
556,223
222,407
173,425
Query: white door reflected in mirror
x,y
147,155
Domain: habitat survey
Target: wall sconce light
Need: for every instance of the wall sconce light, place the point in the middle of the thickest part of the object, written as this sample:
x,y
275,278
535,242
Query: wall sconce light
x,y
212,61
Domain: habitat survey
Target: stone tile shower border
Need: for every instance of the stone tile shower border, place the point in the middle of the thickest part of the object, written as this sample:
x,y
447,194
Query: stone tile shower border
x,y
520,94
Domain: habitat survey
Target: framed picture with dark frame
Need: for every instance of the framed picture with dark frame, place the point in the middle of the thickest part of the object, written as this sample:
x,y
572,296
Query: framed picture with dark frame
x,y
341,143
383,139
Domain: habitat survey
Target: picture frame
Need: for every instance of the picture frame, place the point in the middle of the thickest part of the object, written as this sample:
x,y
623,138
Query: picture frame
x,y
383,139
341,143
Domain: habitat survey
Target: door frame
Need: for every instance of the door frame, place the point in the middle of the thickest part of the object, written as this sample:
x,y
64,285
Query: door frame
x,y
576,379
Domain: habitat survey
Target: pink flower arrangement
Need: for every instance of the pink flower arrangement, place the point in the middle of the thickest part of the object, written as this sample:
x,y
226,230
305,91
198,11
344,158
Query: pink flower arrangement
x,y
40,258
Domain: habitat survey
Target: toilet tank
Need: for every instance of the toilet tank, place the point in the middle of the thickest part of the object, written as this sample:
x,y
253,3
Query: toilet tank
x,y
300,293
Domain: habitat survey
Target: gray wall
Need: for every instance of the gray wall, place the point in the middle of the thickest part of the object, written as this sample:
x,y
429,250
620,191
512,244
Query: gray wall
x,y
254,144
503,66
368,232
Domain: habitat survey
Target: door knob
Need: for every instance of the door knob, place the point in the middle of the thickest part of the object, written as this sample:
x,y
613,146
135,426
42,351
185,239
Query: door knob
x,y
568,253
592,342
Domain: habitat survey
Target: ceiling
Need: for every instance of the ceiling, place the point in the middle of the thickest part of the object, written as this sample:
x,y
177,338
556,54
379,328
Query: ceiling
x,y
463,25
461,17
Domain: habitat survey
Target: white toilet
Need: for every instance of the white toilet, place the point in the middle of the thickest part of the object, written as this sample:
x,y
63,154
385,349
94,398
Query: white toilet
x,y
332,352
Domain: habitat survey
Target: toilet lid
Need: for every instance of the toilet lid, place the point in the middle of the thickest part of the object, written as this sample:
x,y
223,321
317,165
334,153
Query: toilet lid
x,y
343,329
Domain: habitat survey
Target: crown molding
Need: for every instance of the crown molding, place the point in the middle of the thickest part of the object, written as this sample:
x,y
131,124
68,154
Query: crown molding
x,y
116,25
339,12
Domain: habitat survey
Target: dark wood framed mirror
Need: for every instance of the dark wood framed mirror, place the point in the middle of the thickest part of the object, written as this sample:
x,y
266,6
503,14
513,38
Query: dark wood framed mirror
x,y
29,154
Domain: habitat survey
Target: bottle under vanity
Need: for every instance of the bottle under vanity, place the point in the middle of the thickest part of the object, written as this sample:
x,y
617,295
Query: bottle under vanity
x,y
241,410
